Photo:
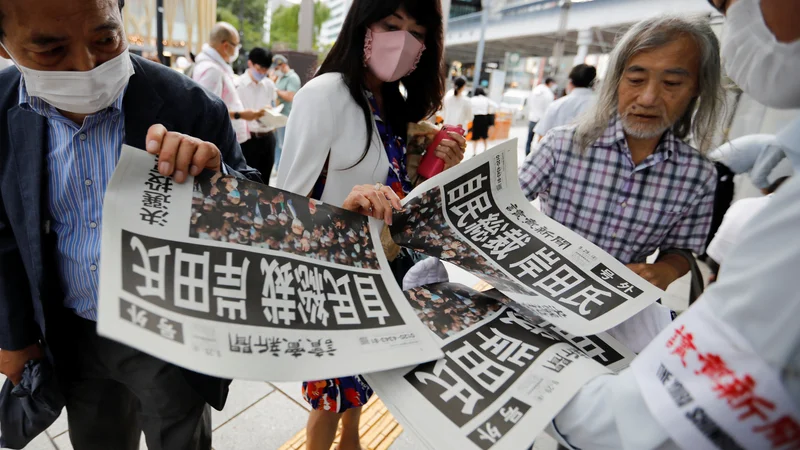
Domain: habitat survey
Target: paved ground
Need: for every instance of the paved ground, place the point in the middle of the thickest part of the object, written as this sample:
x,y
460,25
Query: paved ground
x,y
262,416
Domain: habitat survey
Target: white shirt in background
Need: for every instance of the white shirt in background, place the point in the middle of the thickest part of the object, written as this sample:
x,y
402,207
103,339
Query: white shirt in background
x,y
482,105
541,97
214,74
256,96
733,224
565,110
457,109
5,63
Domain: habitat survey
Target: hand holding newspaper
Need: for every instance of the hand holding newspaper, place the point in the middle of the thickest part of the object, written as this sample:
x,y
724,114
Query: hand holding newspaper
x,y
235,279
273,118
239,280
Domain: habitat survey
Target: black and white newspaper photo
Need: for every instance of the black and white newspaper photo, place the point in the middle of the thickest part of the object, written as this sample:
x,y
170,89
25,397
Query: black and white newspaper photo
x,y
476,217
504,376
235,279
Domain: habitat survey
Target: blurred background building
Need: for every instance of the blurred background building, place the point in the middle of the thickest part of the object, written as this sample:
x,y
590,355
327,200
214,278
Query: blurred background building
x,y
332,26
187,24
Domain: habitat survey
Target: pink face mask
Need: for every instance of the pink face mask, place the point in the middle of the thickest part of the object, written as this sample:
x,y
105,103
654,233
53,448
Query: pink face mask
x,y
391,55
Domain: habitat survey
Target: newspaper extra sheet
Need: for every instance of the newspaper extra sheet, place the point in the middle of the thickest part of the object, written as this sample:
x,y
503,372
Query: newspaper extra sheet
x,y
235,279
505,374
476,217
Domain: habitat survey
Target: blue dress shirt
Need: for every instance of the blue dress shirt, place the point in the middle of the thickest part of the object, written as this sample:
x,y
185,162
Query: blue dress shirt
x,y
80,162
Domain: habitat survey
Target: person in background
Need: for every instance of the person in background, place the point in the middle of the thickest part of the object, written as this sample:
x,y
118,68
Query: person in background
x,y
741,337
5,63
540,99
346,145
212,70
258,92
77,97
623,177
288,83
483,108
567,109
457,108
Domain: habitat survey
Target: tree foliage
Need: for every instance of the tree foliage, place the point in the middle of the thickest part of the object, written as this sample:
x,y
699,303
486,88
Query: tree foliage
x,y
228,11
286,24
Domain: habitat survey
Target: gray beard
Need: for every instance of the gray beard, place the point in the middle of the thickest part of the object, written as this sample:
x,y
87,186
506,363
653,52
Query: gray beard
x,y
640,132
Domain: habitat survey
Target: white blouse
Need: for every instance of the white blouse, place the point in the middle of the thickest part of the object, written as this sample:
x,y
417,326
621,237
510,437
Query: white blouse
x,y
457,110
482,105
325,121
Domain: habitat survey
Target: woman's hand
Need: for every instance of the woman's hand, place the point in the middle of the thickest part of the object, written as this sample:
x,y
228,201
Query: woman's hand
x,y
451,150
376,201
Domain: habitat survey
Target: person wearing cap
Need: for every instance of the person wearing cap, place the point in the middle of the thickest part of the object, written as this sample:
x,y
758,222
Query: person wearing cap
x,y
213,71
257,91
287,83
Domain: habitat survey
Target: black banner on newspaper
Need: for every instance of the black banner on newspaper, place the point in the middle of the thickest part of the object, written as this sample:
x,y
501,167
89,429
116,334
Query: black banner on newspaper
x,y
236,286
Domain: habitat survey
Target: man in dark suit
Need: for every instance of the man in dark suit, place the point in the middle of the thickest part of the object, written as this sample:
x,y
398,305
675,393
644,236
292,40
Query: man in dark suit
x,y
63,120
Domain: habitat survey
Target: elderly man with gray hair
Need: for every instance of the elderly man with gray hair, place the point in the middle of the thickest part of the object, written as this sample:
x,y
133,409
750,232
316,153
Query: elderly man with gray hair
x,y
624,176
213,71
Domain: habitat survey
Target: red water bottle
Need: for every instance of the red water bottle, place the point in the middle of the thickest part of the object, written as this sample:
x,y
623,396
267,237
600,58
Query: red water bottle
x,y
431,165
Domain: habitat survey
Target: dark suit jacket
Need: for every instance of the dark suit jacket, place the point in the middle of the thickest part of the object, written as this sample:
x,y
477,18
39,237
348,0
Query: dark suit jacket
x,y
31,301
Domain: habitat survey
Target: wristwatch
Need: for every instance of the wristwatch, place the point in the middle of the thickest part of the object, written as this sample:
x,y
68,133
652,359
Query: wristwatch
x,y
237,116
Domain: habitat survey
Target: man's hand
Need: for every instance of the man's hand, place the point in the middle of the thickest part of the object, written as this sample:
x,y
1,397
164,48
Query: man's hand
x,y
660,274
251,114
180,155
12,363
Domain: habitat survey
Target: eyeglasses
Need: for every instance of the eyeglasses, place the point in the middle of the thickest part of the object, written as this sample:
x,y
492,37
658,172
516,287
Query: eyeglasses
x,y
721,7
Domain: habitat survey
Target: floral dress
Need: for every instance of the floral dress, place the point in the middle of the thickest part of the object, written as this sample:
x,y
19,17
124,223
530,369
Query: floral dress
x,y
340,394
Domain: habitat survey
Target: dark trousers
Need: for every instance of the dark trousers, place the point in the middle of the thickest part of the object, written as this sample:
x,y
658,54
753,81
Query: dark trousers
x,y
531,126
115,392
259,152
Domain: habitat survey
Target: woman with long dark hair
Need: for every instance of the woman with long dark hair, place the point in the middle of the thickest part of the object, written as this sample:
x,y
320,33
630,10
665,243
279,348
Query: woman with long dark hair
x,y
346,145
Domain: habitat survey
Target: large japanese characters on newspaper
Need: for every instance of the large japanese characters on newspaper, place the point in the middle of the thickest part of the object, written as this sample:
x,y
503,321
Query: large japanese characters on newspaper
x,y
476,217
506,372
236,279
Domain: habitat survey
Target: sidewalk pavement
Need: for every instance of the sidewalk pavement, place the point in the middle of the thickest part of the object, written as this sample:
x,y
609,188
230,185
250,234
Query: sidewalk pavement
x,y
258,416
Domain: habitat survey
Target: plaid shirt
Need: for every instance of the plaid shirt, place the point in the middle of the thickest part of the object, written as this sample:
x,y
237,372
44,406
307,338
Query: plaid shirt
x,y
627,210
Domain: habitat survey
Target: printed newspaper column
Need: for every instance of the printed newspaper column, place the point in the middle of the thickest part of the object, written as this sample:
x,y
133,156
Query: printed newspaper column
x,y
239,280
503,378
476,217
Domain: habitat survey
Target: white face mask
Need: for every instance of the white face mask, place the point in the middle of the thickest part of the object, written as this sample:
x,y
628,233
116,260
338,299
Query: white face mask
x,y
235,55
764,68
79,92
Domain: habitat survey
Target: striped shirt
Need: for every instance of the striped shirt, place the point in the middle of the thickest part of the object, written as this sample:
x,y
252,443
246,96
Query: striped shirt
x,y
628,210
80,162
